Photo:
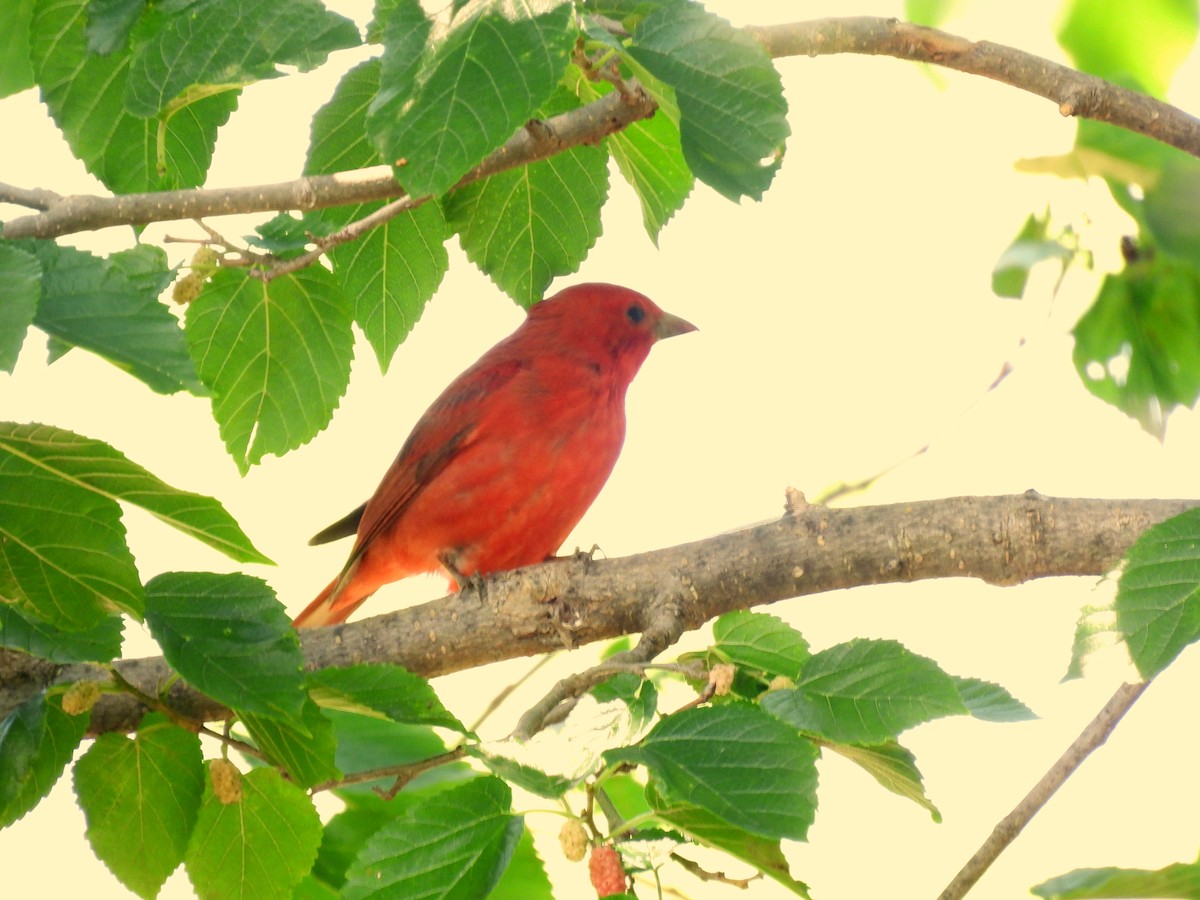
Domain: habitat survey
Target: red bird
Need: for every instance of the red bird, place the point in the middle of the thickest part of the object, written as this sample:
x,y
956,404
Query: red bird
x,y
508,459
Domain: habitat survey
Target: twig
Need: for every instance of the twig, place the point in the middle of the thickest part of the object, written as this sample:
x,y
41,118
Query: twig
x,y
1094,735
719,877
508,691
403,773
151,702
341,236
664,626
34,198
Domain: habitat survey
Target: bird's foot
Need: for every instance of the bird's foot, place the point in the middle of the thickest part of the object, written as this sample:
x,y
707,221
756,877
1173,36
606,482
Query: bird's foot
x,y
474,581
583,556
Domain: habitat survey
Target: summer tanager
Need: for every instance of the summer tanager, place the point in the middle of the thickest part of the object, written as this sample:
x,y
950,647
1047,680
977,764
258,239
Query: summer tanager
x,y
507,460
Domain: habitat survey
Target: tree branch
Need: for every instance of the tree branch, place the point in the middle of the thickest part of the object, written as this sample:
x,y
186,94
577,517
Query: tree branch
x,y
586,125
1001,540
1075,94
1092,737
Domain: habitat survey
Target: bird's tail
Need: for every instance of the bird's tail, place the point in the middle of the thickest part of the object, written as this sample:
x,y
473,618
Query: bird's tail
x,y
332,606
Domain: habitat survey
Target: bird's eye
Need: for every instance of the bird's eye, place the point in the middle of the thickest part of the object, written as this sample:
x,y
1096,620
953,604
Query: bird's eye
x,y
635,314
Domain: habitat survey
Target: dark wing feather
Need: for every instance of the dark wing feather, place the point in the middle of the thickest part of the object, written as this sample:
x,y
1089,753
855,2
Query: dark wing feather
x,y
445,430
342,528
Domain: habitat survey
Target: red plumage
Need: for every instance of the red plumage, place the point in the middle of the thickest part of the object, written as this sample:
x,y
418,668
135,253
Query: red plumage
x,y
502,466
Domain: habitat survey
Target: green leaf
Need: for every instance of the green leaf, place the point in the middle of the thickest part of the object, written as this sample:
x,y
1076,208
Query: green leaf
x,y
990,702
141,797
284,235
225,44
367,812
894,767
63,557
94,465
403,28
1158,594
109,23
1032,246
526,226
1095,630
455,845
1144,44
559,757
1181,880
260,846
865,692
92,302
393,270
386,690
306,753
733,116
16,74
231,639
276,356
347,832
37,741
85,94
931,13
20,290
649,156
1169,209
760,642
709,830
338,142
312,888
495,65
525,878
1138,347
365,743
101,643
639,695
738,763
528,776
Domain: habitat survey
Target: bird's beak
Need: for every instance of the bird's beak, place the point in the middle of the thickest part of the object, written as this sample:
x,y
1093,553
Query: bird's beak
x,y
669,326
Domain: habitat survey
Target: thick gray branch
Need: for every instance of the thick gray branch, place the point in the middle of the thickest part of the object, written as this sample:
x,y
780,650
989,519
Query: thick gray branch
x,y
1001,540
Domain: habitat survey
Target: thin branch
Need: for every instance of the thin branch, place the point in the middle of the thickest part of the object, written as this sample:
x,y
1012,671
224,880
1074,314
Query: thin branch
x,y
497,701
1092,737
34,198
665,623
342,236
81,212
586,125
402,772
1000,540
719,877
151,702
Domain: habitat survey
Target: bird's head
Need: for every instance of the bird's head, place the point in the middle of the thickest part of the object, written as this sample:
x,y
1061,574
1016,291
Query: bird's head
x,y
606,322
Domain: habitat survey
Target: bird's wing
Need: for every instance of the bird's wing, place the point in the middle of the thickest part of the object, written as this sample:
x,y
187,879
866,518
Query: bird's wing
x,y
344,527
448,427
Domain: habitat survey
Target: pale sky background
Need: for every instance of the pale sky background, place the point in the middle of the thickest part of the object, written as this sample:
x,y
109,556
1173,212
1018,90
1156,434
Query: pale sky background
x,y
845,321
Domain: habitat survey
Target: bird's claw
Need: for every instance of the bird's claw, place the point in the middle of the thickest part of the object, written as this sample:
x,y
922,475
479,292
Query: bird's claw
x,y
585,556
449,562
